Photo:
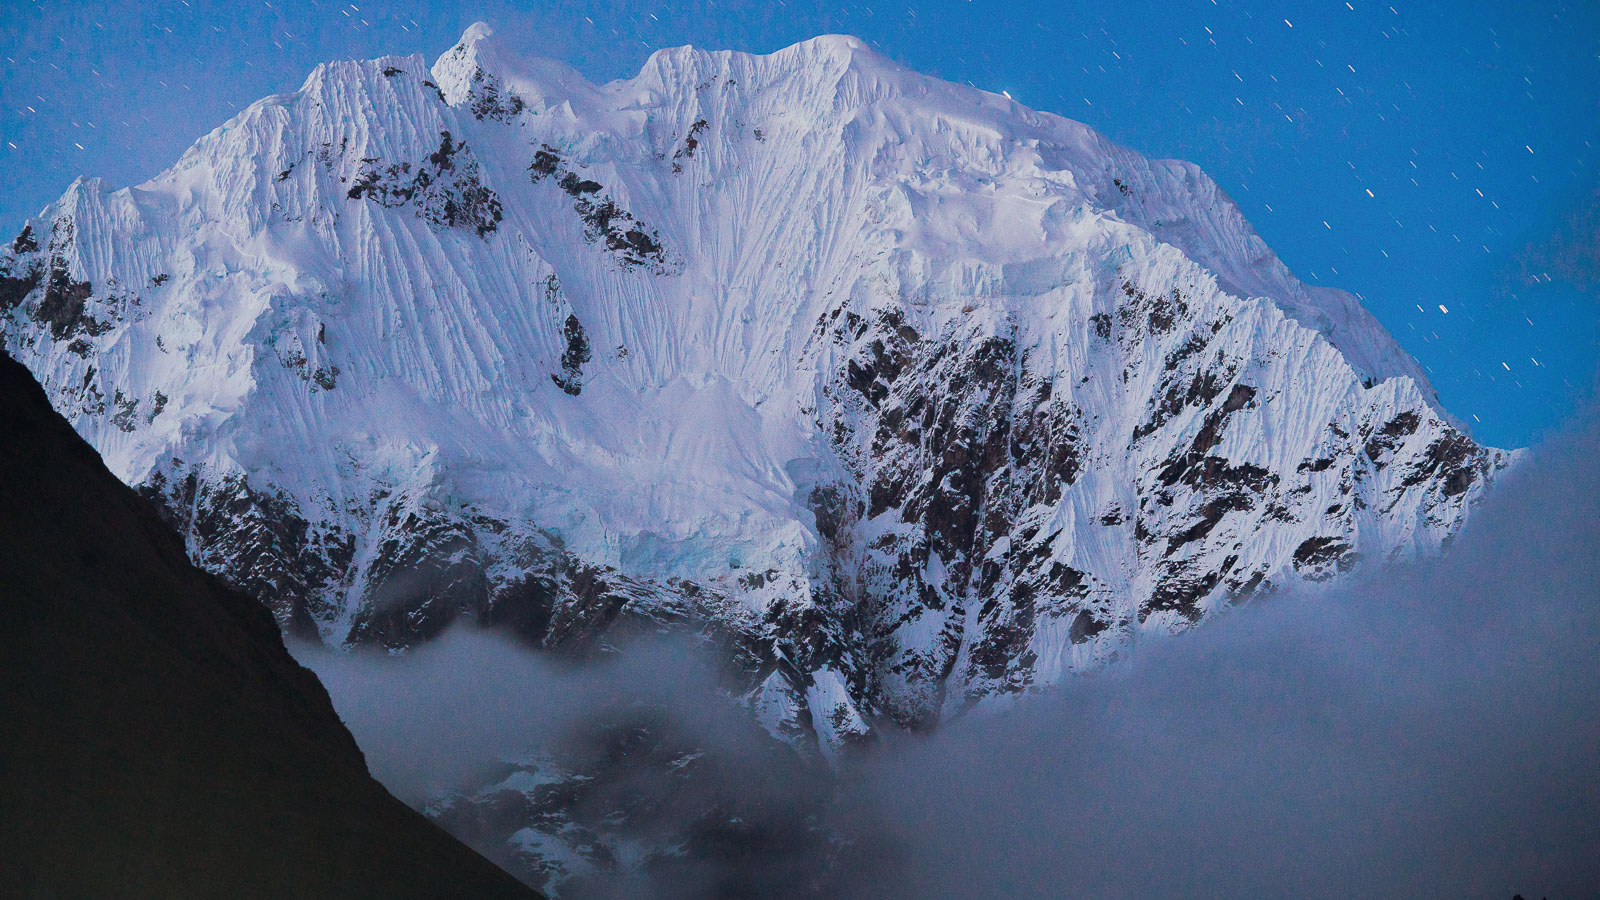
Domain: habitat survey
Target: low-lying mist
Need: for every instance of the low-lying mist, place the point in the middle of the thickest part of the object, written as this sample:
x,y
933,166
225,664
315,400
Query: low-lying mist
x,y
1431,729
442,716
643,775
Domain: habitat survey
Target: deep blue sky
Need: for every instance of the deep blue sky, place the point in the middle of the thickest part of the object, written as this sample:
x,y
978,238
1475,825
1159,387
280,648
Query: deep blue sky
x,y
1420,154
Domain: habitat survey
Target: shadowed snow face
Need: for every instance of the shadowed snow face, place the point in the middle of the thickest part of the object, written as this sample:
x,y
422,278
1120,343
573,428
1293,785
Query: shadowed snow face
x,y
1432,730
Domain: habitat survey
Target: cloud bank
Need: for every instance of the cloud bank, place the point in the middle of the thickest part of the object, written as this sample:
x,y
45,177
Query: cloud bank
x,y
1431,729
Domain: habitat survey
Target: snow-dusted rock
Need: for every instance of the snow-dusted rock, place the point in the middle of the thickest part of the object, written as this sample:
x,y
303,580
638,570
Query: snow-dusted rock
x,y
912,395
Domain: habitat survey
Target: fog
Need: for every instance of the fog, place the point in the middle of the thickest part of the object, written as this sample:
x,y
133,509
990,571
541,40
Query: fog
x,y
442,716
655,753
1431,729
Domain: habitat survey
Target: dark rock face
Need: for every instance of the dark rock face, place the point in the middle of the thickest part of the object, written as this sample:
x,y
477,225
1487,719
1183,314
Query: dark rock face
x,y
1449,459
38,284
490,100
256,540
691,142
964,441
1320,558
573,357
1392,434
445,188
160,740
14,287
634,781
426,572
24,242
62,307
604,220
962,450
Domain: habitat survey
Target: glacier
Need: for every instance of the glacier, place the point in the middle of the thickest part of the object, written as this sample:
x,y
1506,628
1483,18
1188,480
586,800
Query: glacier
x,y
910,397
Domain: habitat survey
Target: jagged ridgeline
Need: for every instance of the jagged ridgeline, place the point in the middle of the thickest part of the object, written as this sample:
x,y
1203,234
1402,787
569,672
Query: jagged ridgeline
x,y
911,396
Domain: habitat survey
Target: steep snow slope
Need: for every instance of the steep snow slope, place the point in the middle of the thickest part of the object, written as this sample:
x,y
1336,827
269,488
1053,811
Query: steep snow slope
x,y
912,395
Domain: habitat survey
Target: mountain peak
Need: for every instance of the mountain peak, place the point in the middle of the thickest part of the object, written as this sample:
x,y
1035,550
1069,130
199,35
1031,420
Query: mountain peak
x,y
839,45
942,398
475,57
475,32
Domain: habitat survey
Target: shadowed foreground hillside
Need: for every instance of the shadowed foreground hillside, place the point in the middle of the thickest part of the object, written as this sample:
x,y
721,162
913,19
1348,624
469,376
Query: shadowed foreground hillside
x,y
156,739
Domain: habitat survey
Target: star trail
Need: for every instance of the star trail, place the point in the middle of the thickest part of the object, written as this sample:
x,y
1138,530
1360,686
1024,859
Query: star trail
x,y
1437,162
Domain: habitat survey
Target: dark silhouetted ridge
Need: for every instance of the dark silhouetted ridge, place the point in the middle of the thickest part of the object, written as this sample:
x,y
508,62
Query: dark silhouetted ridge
x,y
156,739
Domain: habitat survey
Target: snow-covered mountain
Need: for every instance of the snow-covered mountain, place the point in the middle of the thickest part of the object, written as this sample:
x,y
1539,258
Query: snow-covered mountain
x,y
912,395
